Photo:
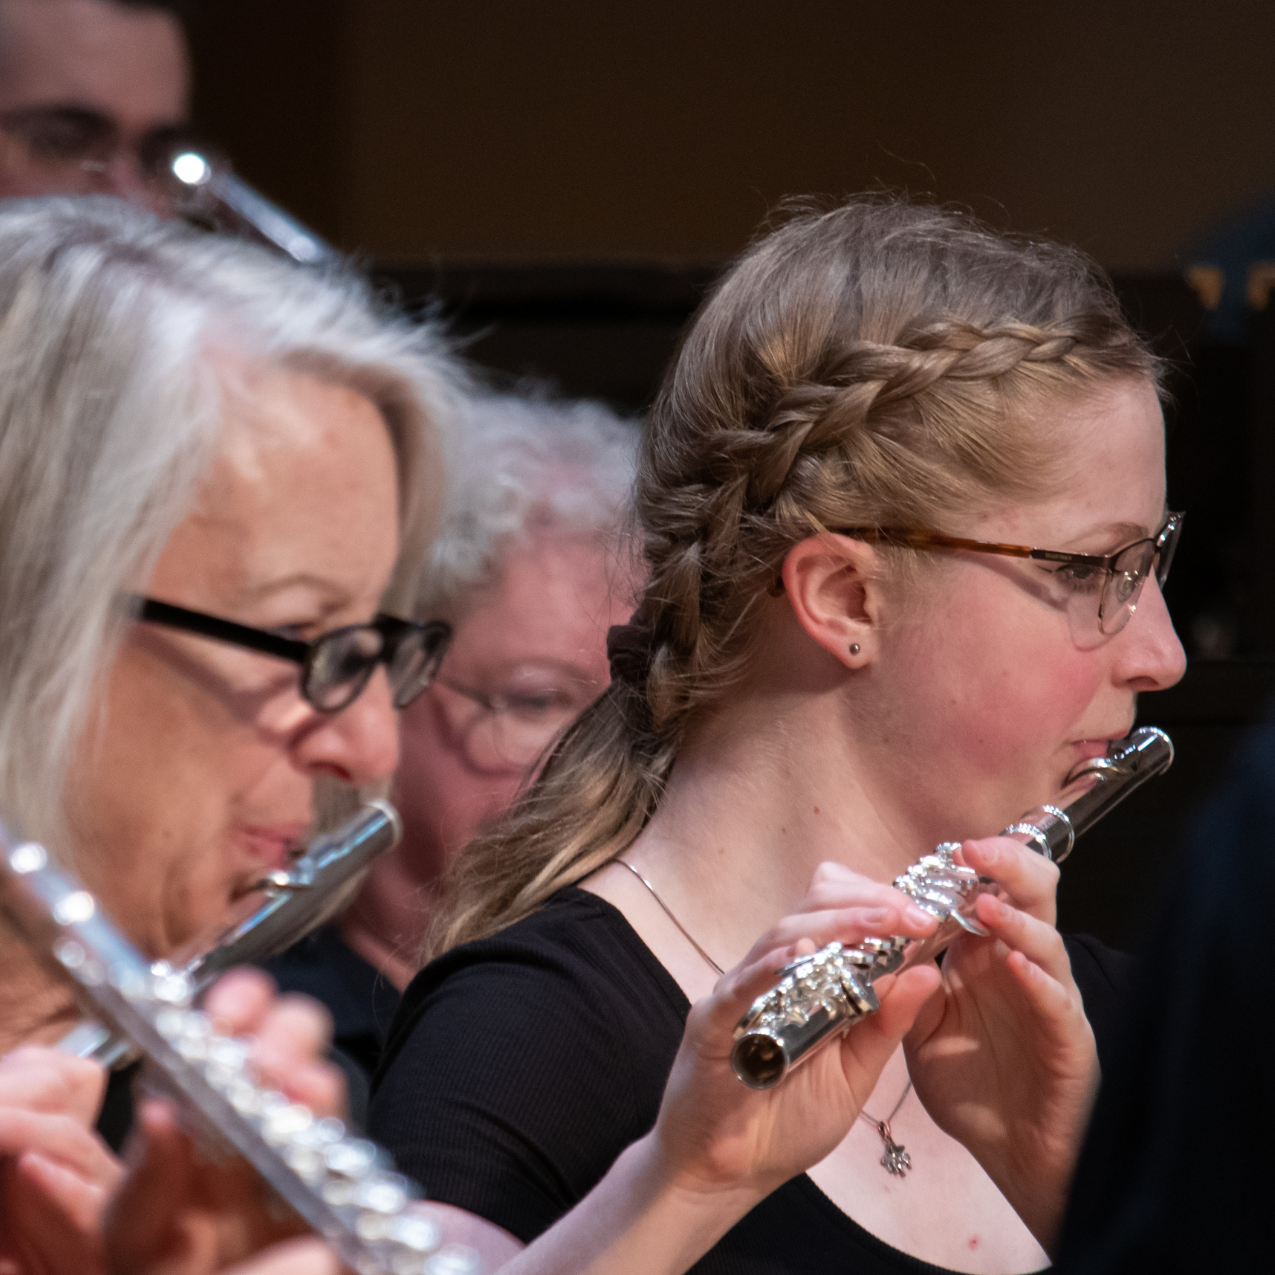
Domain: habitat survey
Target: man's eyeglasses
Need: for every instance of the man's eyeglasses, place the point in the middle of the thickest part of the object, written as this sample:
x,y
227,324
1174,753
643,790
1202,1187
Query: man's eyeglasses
x,y
336,666
76,146
1100,590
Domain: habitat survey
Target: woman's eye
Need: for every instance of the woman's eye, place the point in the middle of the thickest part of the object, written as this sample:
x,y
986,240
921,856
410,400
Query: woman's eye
x,y
1077,577
537,704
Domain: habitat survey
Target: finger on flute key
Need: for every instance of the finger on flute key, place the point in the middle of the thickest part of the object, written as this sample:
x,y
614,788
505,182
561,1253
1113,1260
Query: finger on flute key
x,y
1035,940
1028,879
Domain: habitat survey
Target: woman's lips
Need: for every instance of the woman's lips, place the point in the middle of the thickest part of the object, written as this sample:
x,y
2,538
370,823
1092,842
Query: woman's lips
x,y
1089,748
273,846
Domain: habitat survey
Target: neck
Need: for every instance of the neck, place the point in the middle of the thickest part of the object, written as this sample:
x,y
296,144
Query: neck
x,y
35,1008
761,794
386,924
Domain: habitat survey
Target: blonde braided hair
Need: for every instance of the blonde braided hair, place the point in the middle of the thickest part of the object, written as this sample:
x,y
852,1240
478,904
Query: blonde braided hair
x,y
878,364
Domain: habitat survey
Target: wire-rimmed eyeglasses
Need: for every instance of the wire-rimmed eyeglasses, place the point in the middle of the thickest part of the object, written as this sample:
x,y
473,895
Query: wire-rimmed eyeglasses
x,y
1101,589
336,666
512,728
77,145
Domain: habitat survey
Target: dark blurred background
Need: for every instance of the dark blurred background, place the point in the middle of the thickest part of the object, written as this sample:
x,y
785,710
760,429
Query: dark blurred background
x,y
564,180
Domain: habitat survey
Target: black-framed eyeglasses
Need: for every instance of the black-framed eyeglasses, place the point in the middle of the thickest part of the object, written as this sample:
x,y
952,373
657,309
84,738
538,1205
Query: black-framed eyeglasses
x,y
336,666
1099,589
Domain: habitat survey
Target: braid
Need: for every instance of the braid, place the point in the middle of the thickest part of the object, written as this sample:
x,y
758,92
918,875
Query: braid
x,y
857,367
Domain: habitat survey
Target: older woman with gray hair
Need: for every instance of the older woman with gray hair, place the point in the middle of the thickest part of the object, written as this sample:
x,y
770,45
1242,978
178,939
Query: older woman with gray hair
x,y
196,438
531,567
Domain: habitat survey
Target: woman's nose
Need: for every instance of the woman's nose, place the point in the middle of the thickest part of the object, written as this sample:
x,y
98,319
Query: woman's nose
x,y
360,743
1151,658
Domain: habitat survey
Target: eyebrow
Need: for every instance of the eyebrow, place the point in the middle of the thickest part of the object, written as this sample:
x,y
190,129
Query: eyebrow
x,y
1123,533
88,117
1119,532
333,596
71,112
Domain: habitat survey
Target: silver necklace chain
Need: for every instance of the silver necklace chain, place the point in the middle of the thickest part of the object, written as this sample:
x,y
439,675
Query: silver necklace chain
x,y
668,913
896,1159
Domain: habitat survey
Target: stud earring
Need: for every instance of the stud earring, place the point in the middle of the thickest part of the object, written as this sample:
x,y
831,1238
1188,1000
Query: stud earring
x,y
854,648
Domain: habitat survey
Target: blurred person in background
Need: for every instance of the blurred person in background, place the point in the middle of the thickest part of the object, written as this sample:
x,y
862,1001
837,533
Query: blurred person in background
x,y
94,95
530,569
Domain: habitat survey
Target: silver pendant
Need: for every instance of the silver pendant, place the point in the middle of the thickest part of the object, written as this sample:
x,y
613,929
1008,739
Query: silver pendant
x,y
896,1159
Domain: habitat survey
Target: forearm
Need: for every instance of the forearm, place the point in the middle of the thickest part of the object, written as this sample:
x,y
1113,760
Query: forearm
x,y
635,1221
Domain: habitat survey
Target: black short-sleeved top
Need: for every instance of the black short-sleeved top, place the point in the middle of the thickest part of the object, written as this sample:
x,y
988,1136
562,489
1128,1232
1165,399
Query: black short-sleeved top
x,y
520,1066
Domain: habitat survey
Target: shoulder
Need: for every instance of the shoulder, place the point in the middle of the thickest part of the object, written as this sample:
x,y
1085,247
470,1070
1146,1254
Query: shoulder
x,y
571,991
521,1065
575,953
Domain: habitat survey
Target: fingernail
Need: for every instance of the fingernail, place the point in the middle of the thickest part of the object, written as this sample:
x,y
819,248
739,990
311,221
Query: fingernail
x,y
918,915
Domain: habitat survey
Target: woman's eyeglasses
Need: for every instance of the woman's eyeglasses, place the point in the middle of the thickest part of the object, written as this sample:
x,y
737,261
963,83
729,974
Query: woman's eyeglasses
x,y
1100,590
336,666
510,730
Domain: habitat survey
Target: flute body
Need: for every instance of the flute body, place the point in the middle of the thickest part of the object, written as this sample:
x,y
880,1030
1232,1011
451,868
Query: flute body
x,y
821,996
295,901
343,1187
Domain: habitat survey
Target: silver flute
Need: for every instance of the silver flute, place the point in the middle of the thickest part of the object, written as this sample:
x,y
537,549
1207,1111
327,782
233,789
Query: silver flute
x,y
820,997
342,1187
296,900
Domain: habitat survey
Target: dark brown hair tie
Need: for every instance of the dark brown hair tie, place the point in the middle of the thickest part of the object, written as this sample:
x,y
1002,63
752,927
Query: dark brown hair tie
x,y
630,649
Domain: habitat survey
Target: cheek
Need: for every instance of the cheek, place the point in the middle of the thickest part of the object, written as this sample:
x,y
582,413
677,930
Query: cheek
x,y
1026,711
1000,680
443,800
157,784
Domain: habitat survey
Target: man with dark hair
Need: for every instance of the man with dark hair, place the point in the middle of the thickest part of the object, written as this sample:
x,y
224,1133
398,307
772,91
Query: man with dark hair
x,y
93,96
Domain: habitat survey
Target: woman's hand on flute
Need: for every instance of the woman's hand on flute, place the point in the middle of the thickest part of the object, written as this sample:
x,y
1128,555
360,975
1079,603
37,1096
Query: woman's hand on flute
x,y
715,1130
184,1211
718,1147
55,1172
290,1038
1004,1058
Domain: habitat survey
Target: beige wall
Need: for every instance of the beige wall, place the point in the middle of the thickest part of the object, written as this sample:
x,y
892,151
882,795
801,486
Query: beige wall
x,y
597,129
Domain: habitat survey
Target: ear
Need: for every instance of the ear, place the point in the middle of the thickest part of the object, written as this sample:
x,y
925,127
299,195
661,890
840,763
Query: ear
x,y
832,584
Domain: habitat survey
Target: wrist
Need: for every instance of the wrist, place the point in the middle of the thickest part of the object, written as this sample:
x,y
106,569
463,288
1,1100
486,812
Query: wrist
x,y
695,1186
1038,1194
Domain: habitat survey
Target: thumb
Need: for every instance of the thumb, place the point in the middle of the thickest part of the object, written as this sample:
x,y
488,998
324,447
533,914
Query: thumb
x,y
868,1045
929,1018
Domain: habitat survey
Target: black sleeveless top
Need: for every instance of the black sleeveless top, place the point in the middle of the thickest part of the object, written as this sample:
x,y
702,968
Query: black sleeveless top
x,y
520,1066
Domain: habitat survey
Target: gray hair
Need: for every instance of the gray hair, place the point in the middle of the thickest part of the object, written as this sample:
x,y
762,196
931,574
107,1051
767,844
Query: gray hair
x,y
524,464
110,412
